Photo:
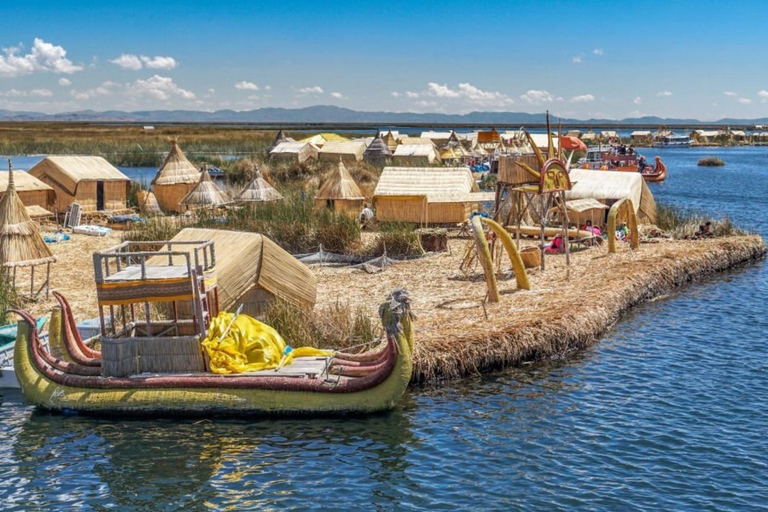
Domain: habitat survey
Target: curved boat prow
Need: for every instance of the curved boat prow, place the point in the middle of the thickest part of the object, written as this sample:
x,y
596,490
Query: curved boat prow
x,y
659,172
347,383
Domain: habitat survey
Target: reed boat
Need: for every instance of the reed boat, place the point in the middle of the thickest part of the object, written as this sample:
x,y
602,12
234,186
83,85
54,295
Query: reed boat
x,y
67,376
656,173
625,160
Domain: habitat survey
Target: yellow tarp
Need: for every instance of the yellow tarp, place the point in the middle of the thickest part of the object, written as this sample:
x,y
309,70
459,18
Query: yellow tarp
x,y
249,346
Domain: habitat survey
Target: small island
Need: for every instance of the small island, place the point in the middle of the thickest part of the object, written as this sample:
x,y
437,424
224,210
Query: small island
x,y
711,161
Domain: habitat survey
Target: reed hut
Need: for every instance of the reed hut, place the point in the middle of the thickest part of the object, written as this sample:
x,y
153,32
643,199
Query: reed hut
x,y
390,139
90,181
321,139
258,190
418,155
279,139
582,210
206,194
438,138
174,180
427,195
31,191
253,270
608,187
293,152
340,192
377,152
148,205
20,242
350,151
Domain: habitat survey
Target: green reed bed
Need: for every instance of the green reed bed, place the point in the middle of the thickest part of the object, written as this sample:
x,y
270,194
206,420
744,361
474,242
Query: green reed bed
x,y
681,223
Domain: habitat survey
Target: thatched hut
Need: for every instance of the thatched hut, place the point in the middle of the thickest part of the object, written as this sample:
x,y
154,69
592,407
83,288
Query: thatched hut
x,y
31,190
148,205
340,192
350,151
90,181
253,270
582,210
390,139
290,151
279,139
416,154
206,194
377,152
321,139
20,242
174,180
258,190
610,186
427,195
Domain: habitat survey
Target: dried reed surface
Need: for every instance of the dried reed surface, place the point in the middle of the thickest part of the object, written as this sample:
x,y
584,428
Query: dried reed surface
x,y
455,339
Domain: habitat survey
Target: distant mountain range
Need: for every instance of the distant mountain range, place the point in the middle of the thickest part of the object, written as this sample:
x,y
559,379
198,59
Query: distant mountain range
x,y
333,114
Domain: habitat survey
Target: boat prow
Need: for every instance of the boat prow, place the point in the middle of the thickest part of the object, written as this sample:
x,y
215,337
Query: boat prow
x,y
342,383
659,172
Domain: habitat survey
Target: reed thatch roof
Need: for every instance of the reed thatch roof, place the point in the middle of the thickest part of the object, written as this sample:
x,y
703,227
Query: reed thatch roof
x,y
352,148
176,168
206,193
248,262
339,185
69,171
612,186
438,185
258,190
377,150
279,138
20,240
321,138
148,204
23,181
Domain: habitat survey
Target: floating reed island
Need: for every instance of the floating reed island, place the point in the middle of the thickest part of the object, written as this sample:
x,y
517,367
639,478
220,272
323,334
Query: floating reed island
x,y
710,161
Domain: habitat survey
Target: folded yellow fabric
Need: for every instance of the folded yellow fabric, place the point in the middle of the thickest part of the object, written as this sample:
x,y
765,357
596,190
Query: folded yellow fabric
x,y
249,346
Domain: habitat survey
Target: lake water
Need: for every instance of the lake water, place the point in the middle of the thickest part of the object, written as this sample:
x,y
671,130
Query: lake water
x,y
668,411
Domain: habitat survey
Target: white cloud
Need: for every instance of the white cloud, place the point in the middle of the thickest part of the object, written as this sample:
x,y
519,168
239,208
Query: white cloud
x,y
638,100
395,94
576,59
478,95
598,52
65,82
441,91
34,93
136,62
582,98
337,95
763,94
315,89
426,103
159,62
159,87
267,87
128,61
254,97
729,93
411,94
744,101
534,97
105,89
246,86
664,94
44,57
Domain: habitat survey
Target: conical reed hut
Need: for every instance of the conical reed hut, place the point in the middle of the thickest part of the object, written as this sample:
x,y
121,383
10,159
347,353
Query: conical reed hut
x,y
205,194
279,138
148,205
258,190
377,152
174,180
390,139
20,242
340,192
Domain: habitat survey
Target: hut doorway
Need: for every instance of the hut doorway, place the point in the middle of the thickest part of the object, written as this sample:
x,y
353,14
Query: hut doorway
x,y
99,196
329,203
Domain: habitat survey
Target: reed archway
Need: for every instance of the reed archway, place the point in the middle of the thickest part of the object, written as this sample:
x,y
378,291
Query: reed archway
x,y
484,256
623,210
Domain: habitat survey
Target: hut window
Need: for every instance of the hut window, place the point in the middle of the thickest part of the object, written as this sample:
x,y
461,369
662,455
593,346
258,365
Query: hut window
x,y
99,195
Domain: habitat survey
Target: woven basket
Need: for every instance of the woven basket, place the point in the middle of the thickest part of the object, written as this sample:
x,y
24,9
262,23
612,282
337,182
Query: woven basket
x,y
531,257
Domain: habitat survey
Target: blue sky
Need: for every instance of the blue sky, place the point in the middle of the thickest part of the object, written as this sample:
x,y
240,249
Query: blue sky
x,y
701,59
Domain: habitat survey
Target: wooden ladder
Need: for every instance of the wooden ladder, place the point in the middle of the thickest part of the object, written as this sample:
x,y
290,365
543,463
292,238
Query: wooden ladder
x,y
202,308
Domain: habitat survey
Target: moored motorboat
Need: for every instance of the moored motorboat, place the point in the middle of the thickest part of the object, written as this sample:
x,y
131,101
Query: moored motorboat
x,y
340,383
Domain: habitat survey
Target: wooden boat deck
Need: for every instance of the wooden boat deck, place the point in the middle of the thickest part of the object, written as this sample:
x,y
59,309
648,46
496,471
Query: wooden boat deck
x,y
133,273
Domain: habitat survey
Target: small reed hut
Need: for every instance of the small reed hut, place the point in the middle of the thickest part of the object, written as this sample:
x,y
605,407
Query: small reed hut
x,y
427,195
279,139
90,181
258,190
608,187
290,151
20,242
253,270
340,192
390,139
33,193
416,154
148,205
377,152
350,151
174,180
206,194
582,210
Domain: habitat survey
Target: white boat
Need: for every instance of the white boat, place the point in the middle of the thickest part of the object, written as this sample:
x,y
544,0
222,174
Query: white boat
x,y
672,141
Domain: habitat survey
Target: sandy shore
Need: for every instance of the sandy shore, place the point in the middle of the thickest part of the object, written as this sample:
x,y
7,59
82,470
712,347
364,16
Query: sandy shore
x,y
457,334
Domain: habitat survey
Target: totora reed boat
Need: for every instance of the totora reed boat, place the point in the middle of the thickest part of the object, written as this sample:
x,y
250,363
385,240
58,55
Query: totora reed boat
x,y
67,376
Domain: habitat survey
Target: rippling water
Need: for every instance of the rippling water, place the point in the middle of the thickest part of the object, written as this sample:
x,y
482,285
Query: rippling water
x,y
669,411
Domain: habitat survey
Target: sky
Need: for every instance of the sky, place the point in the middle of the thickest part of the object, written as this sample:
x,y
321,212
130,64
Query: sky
x,y
703,59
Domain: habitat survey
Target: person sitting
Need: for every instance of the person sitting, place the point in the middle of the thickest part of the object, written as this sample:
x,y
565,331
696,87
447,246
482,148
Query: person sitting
x,y
556,246
705,231
366,216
